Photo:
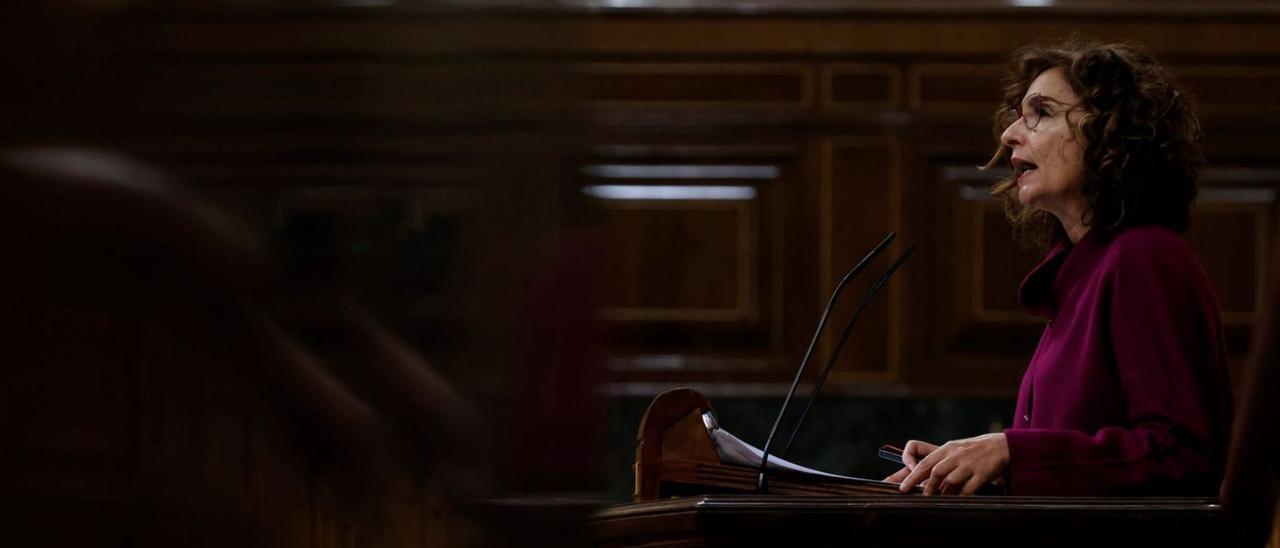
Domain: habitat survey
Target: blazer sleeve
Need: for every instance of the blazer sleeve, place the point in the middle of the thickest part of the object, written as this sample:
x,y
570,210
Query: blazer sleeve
x,y
1166,339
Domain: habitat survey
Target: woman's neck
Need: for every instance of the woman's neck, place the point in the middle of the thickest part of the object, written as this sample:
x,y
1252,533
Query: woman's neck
x,y
1073,224
1075,232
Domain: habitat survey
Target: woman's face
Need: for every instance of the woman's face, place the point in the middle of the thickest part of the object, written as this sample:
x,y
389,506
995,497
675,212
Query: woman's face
x,y
1048,159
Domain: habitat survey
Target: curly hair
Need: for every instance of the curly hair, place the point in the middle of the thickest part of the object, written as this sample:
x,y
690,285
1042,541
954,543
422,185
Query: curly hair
x,y
1141,139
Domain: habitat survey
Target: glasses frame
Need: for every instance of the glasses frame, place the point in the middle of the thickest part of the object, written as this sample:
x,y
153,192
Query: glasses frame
x,y
1034,102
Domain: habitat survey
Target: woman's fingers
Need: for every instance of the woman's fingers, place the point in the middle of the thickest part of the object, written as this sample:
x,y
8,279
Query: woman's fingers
x,y
958,480
923,469
909,457
957,467
915,450
940,479
972,486
918,474
899,475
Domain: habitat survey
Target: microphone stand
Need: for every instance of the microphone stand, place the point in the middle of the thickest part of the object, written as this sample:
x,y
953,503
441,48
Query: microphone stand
x,y
844,336
761,480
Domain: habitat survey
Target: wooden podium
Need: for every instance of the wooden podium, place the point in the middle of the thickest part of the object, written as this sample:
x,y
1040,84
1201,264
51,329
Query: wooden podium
x,y
901,520
687,496
675,455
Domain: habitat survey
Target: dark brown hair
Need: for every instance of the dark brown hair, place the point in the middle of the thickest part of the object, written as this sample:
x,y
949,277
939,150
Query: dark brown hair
x,y
1141,139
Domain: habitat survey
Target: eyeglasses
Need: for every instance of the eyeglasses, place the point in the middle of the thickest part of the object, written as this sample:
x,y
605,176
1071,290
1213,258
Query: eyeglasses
x,y
1035,109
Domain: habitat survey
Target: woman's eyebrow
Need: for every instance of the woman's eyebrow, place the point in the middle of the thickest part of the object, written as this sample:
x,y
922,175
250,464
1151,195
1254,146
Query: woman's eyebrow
x,y
1042,99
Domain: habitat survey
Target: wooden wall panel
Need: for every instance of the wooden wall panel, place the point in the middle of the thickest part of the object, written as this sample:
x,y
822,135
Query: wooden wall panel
x,y
695,33
859,204
683,261
999,263
701,85
954,86
1231,227
861,85
1236,89
842,94
979,339
697,269
1230,240
284,89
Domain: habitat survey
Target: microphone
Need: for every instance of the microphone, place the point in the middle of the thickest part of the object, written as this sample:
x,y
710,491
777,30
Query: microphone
x,y
822,322
844,336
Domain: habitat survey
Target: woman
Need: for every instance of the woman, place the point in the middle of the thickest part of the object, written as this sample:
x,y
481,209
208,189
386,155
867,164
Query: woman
x,y
1127,392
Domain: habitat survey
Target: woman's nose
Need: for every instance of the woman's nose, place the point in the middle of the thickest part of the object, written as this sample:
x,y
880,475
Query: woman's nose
x,y
1013,134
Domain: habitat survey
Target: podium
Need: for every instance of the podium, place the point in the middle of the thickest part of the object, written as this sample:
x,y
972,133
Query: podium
x,y
687,495
676,455
904,520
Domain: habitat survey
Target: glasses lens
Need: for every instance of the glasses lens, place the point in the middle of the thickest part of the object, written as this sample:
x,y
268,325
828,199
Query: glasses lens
x,y
1031,112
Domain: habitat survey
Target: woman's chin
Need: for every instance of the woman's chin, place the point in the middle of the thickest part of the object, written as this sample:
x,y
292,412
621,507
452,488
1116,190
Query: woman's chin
x,y
1026,197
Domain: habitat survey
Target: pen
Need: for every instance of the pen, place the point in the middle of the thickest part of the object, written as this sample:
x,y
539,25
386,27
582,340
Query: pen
x,y
891,453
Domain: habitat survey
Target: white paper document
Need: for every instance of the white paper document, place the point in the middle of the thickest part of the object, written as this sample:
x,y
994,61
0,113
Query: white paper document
x,y
733,450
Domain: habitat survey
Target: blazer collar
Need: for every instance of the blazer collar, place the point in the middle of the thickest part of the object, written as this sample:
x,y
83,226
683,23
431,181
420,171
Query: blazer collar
x,y
1040,290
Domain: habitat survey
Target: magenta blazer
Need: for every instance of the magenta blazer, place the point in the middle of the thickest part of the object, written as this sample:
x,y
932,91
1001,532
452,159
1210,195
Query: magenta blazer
x,y
1127,392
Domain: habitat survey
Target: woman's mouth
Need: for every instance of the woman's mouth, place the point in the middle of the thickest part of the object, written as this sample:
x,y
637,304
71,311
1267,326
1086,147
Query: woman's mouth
x,y
1022,169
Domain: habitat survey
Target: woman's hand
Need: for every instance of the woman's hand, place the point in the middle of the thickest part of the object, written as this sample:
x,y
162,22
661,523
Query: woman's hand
x,y
911,455
957,467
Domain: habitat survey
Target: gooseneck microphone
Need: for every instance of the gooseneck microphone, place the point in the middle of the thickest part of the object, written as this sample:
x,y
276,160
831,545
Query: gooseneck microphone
x,y
844,336
761,481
